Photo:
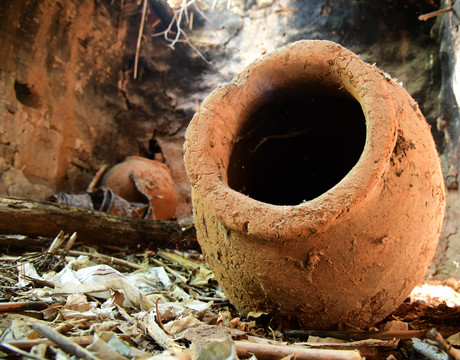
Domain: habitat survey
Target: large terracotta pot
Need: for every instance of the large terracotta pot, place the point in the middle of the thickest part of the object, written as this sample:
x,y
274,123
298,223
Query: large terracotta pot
x,y
316,185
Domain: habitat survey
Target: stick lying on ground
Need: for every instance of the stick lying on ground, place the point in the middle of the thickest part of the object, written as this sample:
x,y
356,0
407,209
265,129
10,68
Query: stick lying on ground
x,y
63,342
21,306
41,218
448,348
272,352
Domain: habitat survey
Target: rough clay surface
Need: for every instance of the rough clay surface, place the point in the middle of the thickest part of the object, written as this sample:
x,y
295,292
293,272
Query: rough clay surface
x,y
350,255
137,176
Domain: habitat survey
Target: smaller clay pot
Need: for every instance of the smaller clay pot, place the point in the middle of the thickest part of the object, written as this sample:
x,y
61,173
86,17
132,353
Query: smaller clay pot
x,y
138,179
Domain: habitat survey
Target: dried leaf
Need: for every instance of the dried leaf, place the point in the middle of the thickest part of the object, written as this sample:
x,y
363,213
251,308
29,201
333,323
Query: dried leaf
x,y
201,276
79,302
97,280
454,339
118,297
71,314
16,327
206,333
177,326
158,334
107,345
26,270
215,350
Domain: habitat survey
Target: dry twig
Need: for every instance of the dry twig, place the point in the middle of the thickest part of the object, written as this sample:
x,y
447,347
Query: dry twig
x,y
139,38
92,185
199,11
178,276
39,281
435,13
180,35
21,306
55,245
108,259
63,342
448,348
159,317
159,335
69,244
268,352
18,351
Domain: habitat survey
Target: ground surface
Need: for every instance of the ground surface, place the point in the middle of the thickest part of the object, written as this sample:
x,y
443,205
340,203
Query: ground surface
x,y
156,301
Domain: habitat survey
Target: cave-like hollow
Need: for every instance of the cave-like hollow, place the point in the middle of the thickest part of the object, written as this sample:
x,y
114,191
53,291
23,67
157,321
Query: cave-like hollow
x,y
294,148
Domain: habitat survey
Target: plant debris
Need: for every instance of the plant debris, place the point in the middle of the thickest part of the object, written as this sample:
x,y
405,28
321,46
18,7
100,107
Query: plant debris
x,y
104,199
109,302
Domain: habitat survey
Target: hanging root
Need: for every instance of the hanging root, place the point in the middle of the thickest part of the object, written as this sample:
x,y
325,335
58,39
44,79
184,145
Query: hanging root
x,y
179,36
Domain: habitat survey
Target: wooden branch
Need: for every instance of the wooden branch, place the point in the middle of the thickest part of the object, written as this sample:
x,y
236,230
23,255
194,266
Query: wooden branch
x,y
21,306
246,349
41,218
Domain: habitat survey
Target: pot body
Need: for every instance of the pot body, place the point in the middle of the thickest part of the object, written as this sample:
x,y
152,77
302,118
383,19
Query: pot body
x,y
351,254
139,179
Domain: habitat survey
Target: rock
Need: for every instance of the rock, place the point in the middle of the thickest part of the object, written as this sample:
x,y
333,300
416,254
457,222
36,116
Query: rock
x,y
27,190
15,184
395,325
10,177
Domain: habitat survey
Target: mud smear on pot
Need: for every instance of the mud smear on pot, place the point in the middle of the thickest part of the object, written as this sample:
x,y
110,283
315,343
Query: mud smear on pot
x,y
294,149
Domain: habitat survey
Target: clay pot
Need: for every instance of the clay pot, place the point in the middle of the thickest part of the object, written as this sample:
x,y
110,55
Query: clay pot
x,y
317,189
138,179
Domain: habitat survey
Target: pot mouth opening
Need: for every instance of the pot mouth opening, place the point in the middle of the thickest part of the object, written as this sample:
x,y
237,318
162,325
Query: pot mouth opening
x,y
296,146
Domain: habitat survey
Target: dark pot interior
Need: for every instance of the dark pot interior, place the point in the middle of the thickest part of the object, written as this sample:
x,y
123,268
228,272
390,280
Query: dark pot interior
x,y
293,149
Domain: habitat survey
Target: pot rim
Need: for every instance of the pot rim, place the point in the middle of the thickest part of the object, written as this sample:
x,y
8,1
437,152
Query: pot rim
x,y
326,62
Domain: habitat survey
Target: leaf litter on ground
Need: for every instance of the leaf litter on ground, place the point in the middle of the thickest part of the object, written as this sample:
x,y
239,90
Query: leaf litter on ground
x,y
148,304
